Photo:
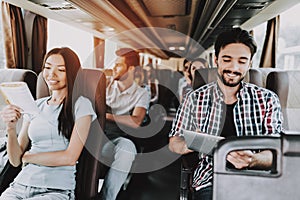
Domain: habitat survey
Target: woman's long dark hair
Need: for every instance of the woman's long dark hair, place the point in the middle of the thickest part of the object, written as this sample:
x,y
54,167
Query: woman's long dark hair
x,y
72,65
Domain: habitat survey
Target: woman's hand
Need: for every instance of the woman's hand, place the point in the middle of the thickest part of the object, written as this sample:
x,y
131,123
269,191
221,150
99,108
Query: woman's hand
x,y
25,158
10,115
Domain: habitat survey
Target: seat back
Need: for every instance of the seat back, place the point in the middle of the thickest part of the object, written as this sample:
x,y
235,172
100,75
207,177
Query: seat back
x,y
204,76
167,89
253,184
259,76
285,84
13,75
26,75
93,86
8,172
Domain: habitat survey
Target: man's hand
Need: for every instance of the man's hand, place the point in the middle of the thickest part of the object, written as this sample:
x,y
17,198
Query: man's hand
x,y
240,159
178,145
246,158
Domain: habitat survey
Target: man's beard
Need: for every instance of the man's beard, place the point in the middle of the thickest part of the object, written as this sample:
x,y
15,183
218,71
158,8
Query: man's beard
x,y
228,83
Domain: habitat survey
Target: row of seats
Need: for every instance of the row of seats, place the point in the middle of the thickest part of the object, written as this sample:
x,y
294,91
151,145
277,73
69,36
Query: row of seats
x,y
92,85
89,170
284,83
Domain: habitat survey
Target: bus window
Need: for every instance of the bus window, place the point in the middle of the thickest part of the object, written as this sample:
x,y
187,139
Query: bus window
x,y
2,55
61,34
289,39
259,35
109,54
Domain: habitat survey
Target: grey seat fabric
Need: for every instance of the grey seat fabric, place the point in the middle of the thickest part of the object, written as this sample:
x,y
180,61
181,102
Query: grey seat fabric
x,y
258,76
276,184
286,85
7,171
13,75
26,75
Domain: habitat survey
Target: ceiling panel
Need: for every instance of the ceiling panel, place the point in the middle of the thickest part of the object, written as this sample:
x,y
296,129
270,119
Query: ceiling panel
x,y
164,8
146,23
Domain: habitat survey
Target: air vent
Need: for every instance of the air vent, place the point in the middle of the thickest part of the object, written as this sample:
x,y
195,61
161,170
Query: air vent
x,y
54,4
62,8
167,8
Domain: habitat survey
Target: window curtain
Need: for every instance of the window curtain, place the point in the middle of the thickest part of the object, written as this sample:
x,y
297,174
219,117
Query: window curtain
x,y
14,35
268,56
99,48
39,42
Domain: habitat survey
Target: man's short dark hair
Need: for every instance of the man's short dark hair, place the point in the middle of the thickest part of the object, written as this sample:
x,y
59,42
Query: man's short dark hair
x,y
235,35
131,56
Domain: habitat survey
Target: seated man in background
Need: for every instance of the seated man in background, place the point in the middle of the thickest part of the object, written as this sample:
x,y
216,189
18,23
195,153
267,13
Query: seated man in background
x,y
127,103
228,107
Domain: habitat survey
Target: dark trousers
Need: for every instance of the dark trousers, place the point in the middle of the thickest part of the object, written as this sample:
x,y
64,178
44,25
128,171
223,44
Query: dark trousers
x,y
203,194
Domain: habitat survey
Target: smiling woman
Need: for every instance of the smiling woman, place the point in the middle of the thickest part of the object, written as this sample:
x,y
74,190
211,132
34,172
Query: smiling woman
x,y
50,141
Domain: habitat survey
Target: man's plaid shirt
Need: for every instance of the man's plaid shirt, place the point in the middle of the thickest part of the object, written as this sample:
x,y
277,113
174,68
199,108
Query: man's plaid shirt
x,y
257,112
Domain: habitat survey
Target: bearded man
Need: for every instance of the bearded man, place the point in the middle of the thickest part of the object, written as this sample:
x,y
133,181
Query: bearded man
x,y
228,107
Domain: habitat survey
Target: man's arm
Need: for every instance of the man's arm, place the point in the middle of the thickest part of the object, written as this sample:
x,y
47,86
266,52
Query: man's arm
x,y
134,120
246,158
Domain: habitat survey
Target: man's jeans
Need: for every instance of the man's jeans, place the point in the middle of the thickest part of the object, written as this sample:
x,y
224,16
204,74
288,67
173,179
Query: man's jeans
x,y
123,150
203,194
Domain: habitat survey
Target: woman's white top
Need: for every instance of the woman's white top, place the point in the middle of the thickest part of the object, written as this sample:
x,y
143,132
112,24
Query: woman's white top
x,y
44,137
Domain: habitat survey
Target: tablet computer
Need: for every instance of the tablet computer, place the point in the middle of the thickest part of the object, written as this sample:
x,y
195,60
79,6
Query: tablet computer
x,y
201,142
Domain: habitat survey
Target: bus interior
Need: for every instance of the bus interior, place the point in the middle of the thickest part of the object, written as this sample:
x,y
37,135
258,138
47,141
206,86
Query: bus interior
x,y
165,32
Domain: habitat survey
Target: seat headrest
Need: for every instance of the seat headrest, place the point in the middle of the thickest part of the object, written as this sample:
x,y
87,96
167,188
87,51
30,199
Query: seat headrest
x,y
26,75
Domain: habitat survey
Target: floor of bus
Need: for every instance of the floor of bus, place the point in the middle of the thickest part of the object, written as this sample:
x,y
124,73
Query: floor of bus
x,y
162,184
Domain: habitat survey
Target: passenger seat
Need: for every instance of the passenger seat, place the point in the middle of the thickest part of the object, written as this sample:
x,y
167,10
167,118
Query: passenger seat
x,y
286,85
